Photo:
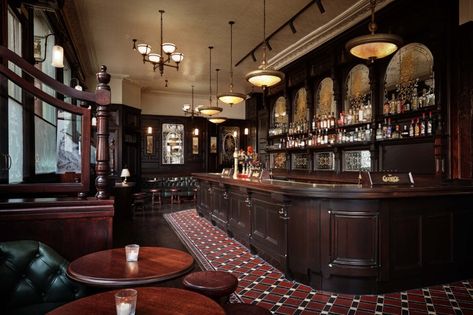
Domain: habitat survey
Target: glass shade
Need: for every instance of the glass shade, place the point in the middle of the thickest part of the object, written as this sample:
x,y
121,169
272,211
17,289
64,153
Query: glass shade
x,y
143,49
150,130
125,173
154,57
210,110
58,57
177,57
186,107
373,46
264,77
169,48
196,131
232,98
217,120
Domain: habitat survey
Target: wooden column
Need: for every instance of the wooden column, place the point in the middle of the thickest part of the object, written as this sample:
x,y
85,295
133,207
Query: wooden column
x,y
102,167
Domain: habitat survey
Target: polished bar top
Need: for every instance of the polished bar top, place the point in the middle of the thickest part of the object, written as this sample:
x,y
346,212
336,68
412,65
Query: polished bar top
x,y
321,190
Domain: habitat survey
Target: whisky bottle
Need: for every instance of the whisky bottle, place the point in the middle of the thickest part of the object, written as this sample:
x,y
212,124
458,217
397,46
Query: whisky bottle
x,y
386,108
414,100
417,128
423,125
430,125
412,129
379,132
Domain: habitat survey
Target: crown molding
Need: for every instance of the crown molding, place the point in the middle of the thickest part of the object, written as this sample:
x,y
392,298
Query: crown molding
x,y
346,20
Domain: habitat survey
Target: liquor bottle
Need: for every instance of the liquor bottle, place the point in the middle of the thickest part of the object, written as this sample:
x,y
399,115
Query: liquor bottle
x,y
396,134
412,129
407,104
417,128
368,111
386,108
430,125
332,120
414,100
404,132
379,132
360,115
423,99
367,134
326,136
423,125
389,129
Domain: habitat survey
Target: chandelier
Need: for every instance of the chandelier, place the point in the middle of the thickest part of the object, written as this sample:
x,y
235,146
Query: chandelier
x,y
264,76
373,46
189,109
159,61
217,119
210,110
231,97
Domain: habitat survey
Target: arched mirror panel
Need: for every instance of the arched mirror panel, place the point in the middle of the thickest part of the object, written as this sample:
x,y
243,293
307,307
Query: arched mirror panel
x,y
357,102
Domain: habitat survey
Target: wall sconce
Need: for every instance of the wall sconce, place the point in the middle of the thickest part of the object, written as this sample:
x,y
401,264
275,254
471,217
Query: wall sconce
x,y
246,131
196,131
150,130
57,51
94,121
235,134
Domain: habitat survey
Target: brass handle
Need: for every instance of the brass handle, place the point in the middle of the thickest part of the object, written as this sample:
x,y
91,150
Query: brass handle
x,y
248,202
225,195
9,162
330,265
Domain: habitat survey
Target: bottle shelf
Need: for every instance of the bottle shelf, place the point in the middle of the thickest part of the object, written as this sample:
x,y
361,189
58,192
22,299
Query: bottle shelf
x,y
410,114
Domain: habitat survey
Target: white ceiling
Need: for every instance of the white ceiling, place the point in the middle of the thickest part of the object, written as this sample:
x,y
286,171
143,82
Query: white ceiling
x,y
108,27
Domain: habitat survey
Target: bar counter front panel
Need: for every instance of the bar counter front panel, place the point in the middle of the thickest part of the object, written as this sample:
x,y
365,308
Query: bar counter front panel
x,y
345,237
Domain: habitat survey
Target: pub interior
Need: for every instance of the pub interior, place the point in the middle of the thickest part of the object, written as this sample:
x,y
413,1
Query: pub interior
x,y
277,157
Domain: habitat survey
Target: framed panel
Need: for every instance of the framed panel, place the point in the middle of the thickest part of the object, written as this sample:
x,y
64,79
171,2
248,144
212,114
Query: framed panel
x,y
355,161
149,144
278,160
230,140
213,144
195,145
300,161
300,110
173,144
324,161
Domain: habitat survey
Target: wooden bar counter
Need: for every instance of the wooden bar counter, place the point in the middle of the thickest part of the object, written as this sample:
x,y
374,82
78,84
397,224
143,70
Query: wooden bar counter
x,y
347,237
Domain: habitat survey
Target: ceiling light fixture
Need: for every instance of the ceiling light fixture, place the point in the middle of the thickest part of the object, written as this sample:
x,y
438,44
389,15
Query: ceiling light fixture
x,y
158,60
217,119
210,110
373,46
189,109
264,76
231,97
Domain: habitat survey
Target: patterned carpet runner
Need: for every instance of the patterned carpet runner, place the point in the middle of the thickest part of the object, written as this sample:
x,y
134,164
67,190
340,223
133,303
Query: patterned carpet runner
x,y
262,284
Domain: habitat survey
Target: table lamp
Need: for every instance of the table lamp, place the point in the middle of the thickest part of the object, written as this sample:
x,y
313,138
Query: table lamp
x,y
125,173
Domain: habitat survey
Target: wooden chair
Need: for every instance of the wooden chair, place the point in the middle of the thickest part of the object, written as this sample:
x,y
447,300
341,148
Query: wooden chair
x,y
217,285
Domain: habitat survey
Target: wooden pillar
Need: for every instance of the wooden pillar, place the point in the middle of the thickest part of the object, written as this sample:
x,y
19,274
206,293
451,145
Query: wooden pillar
x,y
102,168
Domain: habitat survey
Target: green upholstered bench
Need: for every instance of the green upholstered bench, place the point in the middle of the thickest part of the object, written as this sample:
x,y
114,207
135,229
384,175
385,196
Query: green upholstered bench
x,y
33,279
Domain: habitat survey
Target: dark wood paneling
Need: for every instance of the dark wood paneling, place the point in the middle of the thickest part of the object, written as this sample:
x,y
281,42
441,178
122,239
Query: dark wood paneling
x,y
72,227
239,216
220,207
269,229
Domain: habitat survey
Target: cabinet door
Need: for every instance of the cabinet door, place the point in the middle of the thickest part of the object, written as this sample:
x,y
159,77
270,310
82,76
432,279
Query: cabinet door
x,y
350,239
220,207
239,216
269,230
203,202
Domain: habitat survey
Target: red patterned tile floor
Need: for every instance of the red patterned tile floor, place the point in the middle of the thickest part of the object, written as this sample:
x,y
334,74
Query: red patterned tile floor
x,y
262,284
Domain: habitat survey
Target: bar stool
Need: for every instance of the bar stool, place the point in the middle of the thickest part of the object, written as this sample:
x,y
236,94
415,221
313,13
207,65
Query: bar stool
x,y
139,200
245,309
155,197
217,285
175,198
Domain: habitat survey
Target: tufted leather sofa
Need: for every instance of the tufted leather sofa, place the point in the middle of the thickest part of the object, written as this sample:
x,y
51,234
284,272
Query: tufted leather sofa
x,y
33,279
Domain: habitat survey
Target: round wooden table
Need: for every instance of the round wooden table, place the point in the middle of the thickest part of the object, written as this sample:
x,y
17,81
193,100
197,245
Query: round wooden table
x,y
150,300
109,268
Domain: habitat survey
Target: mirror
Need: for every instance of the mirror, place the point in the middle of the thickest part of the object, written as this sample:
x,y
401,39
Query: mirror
x,y
324,98
173,144
279,112
300,110
357,103
409,80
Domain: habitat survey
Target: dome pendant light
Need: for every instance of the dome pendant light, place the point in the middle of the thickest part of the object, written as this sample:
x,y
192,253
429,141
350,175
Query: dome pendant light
x,y
373,46
264,76
231,97
217,119
210,110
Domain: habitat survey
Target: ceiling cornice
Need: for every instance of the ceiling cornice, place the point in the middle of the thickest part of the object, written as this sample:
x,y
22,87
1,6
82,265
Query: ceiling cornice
x,y
346,20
